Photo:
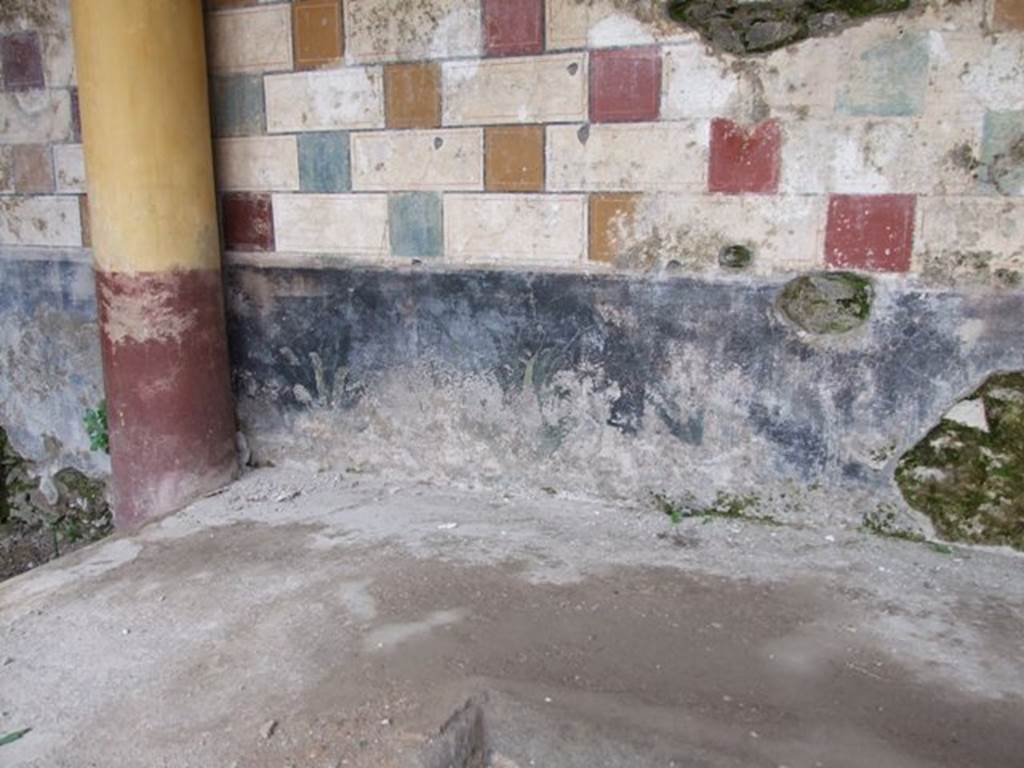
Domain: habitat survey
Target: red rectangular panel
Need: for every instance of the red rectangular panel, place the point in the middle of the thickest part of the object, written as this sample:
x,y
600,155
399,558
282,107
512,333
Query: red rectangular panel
x,y
625,85
248,222
513,27
870,232
22,61
744,160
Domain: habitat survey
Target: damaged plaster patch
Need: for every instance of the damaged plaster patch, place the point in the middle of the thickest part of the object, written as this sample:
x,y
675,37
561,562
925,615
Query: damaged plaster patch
x,y
643,11
969,413
1002,155
743,27
973,269
827,302
39,220
676,249
609,31
999,167
153,313
680,232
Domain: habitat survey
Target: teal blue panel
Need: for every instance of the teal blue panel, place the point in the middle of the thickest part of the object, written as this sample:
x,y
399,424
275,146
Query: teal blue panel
x,y
1002,153
324,162
415,221
889,79
237,105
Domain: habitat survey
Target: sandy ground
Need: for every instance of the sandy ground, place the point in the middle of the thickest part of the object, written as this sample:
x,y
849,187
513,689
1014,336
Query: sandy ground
x,y
320,620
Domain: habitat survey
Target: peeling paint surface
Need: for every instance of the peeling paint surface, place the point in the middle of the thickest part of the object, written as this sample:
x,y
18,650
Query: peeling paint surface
x,y
147,309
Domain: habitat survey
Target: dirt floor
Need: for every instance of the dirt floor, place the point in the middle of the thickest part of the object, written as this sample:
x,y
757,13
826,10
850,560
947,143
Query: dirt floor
x,y
24,546
321,620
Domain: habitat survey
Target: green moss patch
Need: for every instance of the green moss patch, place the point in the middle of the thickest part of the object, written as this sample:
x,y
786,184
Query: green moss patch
x,y
14,481
735,257
969,479
725,505
34,530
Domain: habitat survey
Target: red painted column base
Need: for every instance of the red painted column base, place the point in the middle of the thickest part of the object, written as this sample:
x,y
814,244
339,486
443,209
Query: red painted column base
x,y
169,406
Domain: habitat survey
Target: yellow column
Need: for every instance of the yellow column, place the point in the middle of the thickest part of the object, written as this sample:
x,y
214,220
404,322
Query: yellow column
x,y
146,128
145,114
